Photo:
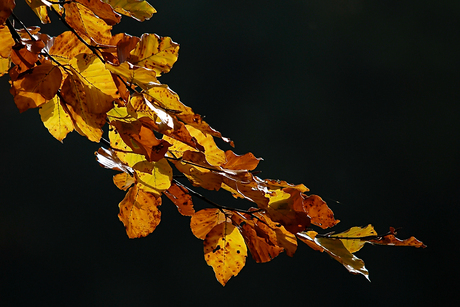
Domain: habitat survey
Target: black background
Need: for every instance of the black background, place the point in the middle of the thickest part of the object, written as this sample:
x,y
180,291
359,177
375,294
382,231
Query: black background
x,y
359,100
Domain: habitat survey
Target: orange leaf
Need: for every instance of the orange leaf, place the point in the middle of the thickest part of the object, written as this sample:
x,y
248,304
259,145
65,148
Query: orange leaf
x,y
320,214
225,251
137,9
259,237
204,220
6,7
181,198
139,212
23,58
141,139
244,162
34,88
391,240
66,47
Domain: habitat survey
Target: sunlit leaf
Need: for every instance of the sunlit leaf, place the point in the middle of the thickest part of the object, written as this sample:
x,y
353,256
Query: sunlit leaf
x,y
204,220
6,42
108,158
123,181
102,10
56,119
141,139
5,64
100,89
153,177
39,9
143,77
86,123
66,47
139,212
244,162
225,251
137,9
314,207
336,250
354,245
155,52
23,58
391,240
88,25
181,198
36,87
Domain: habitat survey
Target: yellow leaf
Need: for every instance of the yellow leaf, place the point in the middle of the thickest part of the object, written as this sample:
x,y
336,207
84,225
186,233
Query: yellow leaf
x,y
204,220
6,42
137,9
66,47
154,177
56,119
5,64
225,251
143,77
354,245
86,123
88,25
123,181
39,9
100,89
336,250
155,52
102,10
139,212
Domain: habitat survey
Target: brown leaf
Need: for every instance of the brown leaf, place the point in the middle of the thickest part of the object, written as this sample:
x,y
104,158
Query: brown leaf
x,y
141,139
139,212
181,198
315,208
6,7
391,240
244,162
23,58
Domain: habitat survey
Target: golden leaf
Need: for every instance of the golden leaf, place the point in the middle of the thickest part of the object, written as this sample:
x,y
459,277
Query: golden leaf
x,y
123,181
102,10
139,212
6,42
56,119
225,251
354,245
143,77
204,220
88,25
155,52
100,89
39,9
86,123
336,250
153,177
137,9
66,47
5,64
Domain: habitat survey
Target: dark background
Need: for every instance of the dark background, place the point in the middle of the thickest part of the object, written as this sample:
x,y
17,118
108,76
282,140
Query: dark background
x,y
359,100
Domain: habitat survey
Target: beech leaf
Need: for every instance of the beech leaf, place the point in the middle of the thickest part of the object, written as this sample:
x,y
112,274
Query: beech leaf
x,y
225,251
137,9
56,119
204,220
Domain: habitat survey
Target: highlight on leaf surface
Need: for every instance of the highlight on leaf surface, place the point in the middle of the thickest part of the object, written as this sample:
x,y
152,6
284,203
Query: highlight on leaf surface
x,y
225,251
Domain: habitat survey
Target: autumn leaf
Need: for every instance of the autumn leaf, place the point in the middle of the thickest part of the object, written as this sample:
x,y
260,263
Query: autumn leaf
x,y
139,212
108,158
66,47
225,251
314,207
390,239
56,119
35,88
86,123
240,162
6,7
336,250
88,25
5,64
359,234
102,10
153,177
203,221
137,9
141,139
6,42
40,9
155,52
143,77
181,198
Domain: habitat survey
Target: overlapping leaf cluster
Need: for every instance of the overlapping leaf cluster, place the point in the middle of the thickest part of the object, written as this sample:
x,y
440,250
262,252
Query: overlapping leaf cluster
x,y
87,78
